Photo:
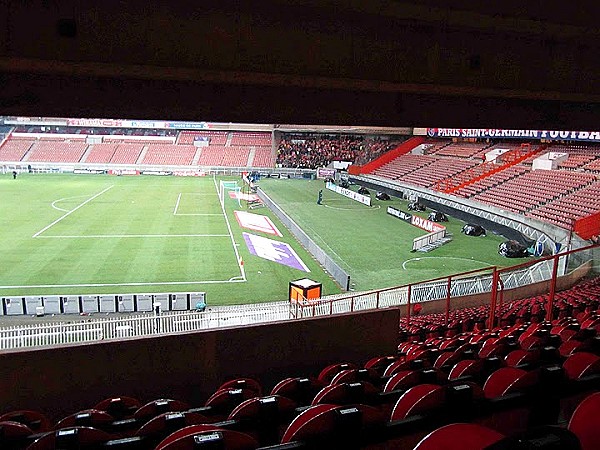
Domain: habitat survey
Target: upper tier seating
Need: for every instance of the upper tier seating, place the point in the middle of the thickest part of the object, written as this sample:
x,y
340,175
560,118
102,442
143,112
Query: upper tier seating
x,y
187,137
169,154
251,139
57,151
460,149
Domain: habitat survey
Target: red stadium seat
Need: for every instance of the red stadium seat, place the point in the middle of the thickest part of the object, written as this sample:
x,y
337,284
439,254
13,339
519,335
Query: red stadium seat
x,y
331,424
581,364
327,374
157,407
119,407
35,420
74,438
459,436
417,399
346,393
87,418
207,437
243,383
507,380
585,422
300,390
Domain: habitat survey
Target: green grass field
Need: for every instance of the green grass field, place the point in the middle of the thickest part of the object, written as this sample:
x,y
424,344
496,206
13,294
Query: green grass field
x,y
83,234
374,247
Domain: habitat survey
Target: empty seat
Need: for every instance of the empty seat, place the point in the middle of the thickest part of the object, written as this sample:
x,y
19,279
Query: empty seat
x,y
585,422
459,436
207,437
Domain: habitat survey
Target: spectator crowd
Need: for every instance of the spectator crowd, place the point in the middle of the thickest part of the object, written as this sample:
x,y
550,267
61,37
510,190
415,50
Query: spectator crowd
x,y
311,152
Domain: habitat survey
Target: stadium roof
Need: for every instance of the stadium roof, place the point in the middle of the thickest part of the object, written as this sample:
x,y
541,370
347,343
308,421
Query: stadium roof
x,y
508,64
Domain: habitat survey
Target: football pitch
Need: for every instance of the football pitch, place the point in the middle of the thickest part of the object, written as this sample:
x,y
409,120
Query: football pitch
x,y
101,234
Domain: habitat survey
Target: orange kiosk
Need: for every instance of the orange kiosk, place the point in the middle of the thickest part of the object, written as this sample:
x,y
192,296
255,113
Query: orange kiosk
x,y
304,289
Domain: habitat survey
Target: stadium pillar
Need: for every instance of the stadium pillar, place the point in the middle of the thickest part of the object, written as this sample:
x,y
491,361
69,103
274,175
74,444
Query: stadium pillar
x,y
552,290
448,286
494,294
408,305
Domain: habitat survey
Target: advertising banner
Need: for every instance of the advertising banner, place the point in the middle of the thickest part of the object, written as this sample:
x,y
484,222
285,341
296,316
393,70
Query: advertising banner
x,y
364,199
323,173
493,133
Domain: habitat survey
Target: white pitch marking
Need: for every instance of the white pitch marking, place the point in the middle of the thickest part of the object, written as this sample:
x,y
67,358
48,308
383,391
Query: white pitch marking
x,y
198,214
233,243
71,211
177,204
61,199
96,236
442,257
157,283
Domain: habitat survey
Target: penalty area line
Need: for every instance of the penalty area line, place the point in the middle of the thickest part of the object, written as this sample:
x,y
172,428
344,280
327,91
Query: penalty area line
x,y
156,283
119,236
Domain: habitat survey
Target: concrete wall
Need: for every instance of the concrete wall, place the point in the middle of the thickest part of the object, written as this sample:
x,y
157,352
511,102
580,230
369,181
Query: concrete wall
x,y
189,367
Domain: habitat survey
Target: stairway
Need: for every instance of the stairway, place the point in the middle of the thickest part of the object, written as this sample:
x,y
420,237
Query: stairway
x,y
86,153
250,162
142,154
197,156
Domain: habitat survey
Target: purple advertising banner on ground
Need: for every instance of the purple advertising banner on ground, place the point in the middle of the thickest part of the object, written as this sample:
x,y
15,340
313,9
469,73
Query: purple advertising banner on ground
x,y
275,251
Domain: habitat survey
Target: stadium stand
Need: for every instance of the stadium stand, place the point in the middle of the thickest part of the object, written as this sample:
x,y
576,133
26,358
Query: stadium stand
x,y
212,156
251,139
187,137
169,154
567,208
263,157
459,150
101,153
56,151
127,153
439,169
235,156
14,149
311,151
533,189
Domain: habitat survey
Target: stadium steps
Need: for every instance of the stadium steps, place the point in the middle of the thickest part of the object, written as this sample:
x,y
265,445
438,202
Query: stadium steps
x,y
229,139
142,154
85,155
28,152
197,156
250,162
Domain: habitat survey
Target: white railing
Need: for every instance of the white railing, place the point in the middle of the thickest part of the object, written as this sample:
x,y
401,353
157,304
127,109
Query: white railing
x,y
43,335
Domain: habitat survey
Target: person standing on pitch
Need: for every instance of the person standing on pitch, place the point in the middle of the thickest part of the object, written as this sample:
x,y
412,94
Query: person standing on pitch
x,y
320,199
14,174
